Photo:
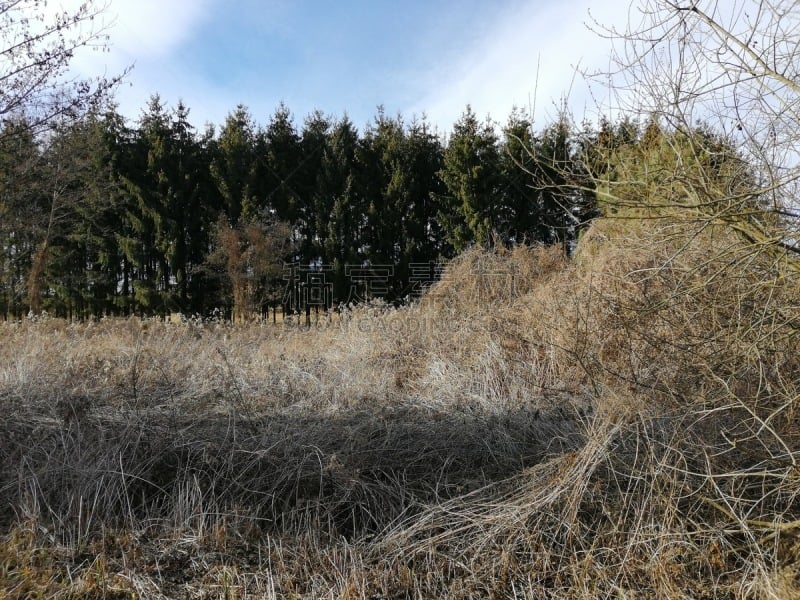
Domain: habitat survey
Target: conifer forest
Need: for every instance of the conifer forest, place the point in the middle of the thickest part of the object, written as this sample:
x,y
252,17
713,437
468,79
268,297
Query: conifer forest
x,y
105,217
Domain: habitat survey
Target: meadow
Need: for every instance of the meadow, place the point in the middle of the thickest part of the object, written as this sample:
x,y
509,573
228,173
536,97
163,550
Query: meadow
x,y
621,423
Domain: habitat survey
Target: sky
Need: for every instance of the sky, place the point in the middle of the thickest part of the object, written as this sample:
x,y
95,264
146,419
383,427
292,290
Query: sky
x,y
412,57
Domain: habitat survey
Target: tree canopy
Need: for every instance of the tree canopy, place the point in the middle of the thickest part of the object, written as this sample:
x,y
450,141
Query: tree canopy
x,y
132,218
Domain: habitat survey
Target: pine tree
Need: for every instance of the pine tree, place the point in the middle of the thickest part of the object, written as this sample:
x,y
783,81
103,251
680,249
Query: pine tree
x,y
281,166
471,173
309,183
234,165
23,212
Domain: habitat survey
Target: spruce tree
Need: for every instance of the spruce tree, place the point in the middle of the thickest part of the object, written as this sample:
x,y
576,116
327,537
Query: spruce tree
x,y
281,166
23,212
165,181
234,165
340,205
82,269
563,195
518,213
310,182
471,173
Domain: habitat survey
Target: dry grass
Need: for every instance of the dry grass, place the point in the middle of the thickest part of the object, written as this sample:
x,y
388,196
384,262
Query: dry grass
x,y
619,425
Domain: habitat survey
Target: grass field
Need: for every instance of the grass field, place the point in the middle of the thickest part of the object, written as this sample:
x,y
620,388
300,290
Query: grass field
x,y
621,424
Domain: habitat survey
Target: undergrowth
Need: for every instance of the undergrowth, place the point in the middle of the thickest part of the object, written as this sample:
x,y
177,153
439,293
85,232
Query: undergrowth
x,y
619,424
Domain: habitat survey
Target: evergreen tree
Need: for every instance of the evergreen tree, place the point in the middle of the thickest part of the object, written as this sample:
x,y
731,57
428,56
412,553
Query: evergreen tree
x,y
207,206
563,198
23,212
471,173
309,183
165,181
282,162
234,165
422,187
340,204
518,214
83,269
381,167
102,217
184,237
141,175
400,168
654,174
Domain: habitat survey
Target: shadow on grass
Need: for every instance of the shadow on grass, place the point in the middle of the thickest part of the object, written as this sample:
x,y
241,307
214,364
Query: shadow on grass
x,y
350,474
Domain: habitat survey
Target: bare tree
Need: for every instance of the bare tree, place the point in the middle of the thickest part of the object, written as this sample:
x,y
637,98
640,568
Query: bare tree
x,y
36,48
250,255
735,68
40,95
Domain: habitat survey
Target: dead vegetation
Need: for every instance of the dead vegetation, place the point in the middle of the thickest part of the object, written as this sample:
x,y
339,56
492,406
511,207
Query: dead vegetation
x,y
622,424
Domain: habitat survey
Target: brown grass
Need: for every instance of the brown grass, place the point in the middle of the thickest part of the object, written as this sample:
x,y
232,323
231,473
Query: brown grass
x,y
621,424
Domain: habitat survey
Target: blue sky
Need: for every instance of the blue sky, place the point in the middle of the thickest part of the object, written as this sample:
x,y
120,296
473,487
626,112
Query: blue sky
x,y
413,57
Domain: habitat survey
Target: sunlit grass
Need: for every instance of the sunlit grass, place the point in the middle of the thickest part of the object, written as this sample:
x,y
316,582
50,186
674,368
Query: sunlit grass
x,y
617,424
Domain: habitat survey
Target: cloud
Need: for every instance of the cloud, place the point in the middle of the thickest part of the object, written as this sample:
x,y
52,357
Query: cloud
x,y
145,35
214,54
530,58
137,29
151,29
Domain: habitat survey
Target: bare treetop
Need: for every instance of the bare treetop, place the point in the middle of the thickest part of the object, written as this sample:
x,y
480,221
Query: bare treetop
x,y
37,45
730,66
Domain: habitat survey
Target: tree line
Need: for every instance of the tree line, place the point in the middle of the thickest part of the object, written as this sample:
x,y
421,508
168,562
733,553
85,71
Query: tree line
x,y
102,217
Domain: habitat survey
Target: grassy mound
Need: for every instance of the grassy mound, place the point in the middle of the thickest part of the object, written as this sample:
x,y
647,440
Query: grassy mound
x,y
618,424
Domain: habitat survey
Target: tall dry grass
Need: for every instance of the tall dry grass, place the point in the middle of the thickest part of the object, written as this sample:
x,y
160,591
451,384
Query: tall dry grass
x,y
620,424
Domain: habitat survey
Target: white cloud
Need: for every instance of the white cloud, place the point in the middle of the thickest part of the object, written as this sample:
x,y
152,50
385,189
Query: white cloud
x,y
150,30
529,59
138,30
144,34
495,69
153,28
